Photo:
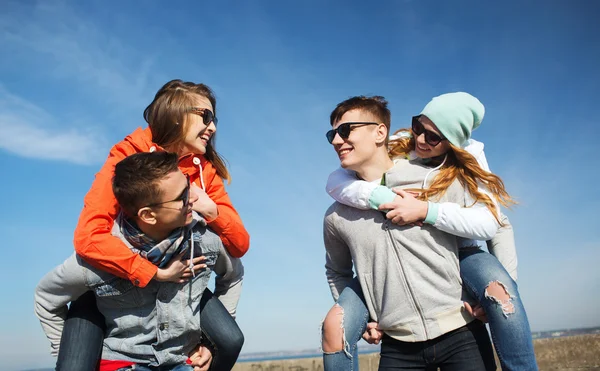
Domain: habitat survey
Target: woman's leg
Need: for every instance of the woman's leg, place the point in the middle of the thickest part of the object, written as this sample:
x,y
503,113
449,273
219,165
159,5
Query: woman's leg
x,y
222,332
489,283
82,336
342,329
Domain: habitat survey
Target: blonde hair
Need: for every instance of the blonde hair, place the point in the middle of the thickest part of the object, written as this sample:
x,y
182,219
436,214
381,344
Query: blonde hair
x,y
166,117
460,165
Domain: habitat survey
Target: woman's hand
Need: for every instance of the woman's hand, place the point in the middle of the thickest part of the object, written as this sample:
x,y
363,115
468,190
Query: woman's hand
x,y
477,312
204,205
201,358
405,209
373,335
179,270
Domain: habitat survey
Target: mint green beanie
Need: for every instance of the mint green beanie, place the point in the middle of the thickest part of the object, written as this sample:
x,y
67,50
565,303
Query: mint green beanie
x,y
455,115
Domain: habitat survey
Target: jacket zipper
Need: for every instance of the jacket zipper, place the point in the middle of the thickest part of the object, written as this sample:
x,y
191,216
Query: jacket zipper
x,y
412,294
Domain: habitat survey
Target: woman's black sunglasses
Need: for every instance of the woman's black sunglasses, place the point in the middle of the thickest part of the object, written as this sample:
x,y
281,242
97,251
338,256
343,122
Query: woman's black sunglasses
x,y
344,129
207,115
431,138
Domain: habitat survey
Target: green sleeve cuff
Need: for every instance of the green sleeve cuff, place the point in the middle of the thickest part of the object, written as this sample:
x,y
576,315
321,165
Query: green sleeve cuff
x,y
432,212
380,196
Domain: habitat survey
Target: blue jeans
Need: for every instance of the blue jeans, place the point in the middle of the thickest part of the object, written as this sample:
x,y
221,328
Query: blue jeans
x,y
84,329
510,332
82,336
354,322
467,348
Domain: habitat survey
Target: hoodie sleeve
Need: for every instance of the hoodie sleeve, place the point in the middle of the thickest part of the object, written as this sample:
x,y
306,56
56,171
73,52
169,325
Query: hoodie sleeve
x,y
93,239
228,281
503,247
338,260
228,224
56,289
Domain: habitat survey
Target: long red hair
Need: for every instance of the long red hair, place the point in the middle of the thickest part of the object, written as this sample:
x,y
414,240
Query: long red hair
x,y
460,165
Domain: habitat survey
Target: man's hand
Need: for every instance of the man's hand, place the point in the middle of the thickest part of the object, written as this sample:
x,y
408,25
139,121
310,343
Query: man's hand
x,y
477,312
372,334
201,358
405,209
204,205
179,270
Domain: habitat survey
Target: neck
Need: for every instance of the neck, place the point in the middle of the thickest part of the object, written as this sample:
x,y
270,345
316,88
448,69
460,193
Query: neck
x,y
153,232
375,167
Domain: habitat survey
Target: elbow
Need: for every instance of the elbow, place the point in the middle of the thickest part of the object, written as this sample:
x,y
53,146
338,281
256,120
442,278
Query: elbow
x,y
239,247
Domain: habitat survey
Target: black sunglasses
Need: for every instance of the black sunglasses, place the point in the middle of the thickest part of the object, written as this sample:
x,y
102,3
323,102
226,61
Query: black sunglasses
x,y
207,115
344,130
184,196
431,138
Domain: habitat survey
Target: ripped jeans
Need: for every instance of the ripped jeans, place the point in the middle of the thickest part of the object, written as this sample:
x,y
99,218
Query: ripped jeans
x,y
508,321
509,326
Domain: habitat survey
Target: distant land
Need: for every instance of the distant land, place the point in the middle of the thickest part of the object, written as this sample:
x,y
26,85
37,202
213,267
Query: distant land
x,y
366,348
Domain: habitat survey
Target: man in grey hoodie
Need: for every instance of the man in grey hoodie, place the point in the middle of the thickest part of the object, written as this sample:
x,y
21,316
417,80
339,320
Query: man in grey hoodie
x,y
409,275
158,325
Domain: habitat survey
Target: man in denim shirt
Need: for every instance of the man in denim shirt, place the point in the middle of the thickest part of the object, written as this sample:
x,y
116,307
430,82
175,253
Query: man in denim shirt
x,y
158,325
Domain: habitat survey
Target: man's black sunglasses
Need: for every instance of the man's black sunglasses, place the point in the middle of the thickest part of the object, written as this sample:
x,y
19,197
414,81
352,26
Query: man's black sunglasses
x,y
184,196
207,115
431,138
344,129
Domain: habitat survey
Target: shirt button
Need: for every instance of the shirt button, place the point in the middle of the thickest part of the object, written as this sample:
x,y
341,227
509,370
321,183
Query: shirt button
x,y
152,149
136,282
163,326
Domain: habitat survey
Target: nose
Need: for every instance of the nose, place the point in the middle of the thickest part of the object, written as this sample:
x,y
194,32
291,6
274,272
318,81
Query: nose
x,y
211,128
337,140
420,139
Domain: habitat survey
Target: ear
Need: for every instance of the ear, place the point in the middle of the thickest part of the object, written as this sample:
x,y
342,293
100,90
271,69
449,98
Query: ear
x,y
381,134
146,215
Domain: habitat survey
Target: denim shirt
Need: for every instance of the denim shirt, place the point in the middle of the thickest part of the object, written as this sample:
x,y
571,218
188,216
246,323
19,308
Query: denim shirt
x,y
160,323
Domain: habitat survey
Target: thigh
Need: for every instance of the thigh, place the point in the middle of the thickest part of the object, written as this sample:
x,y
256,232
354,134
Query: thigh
x,y
468,349
478,268
400,355
217,324
82,337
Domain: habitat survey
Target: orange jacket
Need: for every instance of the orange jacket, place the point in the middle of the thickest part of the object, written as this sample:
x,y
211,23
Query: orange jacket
x,y
93,239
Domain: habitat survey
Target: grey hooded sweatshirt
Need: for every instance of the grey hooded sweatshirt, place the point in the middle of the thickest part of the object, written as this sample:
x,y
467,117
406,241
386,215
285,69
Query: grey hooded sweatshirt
x,y
409,274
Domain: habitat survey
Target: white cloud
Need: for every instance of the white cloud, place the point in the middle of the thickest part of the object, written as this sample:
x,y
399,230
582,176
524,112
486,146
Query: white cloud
x,y
29,131
74,48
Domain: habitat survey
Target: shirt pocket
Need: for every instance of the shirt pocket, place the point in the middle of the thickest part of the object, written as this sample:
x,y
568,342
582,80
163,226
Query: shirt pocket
x,y
118,292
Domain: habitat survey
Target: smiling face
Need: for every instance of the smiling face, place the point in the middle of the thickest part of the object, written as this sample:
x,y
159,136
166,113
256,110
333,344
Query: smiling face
x,y
171,211
363,141
198,134
424,149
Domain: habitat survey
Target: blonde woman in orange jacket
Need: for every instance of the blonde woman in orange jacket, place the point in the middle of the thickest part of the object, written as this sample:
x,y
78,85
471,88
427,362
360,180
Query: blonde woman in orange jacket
x,y
181,119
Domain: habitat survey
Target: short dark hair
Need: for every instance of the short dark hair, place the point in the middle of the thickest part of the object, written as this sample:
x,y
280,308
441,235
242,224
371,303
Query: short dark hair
x,y
135,183
376,105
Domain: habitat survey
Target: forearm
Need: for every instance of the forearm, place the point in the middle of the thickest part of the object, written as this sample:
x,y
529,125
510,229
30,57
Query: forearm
x,y
55,290
228,282
345,188
475,222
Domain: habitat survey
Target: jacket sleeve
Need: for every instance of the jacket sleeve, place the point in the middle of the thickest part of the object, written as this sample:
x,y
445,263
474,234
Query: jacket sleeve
x,y
348,190
476,223
93,239
228,224
228,281
338,261
62,285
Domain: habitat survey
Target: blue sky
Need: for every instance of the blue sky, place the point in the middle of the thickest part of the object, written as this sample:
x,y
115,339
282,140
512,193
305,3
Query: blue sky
x,y
76,76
